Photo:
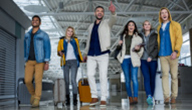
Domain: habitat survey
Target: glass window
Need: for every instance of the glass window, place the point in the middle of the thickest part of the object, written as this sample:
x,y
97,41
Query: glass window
x,y
185,50
185,55
186,36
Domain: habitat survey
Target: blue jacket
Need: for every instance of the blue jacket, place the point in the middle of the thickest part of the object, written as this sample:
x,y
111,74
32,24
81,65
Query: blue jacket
x,y
73,43
42,46
165,44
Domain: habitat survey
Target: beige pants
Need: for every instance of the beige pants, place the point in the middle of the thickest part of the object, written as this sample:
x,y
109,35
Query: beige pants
x,y
33,68
169,65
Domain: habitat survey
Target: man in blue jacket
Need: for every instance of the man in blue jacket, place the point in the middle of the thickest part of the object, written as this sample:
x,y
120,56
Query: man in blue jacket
x,y
37,52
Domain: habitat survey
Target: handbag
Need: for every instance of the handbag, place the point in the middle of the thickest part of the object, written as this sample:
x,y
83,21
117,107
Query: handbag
x,y
117,50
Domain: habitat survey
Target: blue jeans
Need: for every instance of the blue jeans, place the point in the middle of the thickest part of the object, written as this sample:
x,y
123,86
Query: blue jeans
x,y
130,72
149,72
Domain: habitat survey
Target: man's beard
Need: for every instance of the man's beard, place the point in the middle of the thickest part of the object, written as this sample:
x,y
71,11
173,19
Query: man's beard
x,y
99,18
35,26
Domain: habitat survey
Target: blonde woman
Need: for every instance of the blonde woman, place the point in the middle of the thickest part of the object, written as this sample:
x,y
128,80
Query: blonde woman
x,y
68,49
149,59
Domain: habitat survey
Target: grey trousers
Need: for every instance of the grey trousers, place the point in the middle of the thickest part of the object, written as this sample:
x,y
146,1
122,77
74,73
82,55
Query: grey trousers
x,y
70,64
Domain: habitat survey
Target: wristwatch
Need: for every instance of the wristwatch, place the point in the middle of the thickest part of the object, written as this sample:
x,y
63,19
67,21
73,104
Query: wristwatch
x,y
176,51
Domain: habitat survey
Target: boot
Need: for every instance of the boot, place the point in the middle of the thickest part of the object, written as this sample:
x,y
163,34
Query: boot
x,y
32,99
131,101
135,100
67,100
35,103
74,99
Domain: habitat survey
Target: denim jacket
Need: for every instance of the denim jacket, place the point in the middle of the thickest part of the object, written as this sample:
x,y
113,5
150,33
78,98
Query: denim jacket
x,y
42,46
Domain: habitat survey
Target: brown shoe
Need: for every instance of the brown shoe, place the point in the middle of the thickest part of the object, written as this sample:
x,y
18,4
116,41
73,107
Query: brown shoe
x,y
35,103
166,101
94,102
135,100
131,102
173,100
32,99
103,104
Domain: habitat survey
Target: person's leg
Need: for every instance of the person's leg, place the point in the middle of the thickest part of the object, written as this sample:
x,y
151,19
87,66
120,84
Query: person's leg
x,y
153,71
73,80
91,67
103,61
29,72
145,68
126,70
165,77
39,69
174,79
145,72
134,72
66,77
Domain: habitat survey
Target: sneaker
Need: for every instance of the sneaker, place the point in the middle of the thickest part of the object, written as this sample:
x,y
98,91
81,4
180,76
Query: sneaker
x,y
94,102
35,103
103,104
166,101
173,101
149,100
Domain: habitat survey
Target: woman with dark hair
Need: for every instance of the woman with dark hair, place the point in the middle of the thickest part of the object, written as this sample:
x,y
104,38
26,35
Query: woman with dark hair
x,y
149,59
68,48
129,57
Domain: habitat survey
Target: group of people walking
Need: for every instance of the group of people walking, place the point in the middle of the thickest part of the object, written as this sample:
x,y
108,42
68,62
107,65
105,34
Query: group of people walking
x,y
139,49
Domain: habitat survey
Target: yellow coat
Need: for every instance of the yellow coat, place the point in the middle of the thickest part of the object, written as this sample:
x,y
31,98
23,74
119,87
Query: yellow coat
x,y
60,48
175,34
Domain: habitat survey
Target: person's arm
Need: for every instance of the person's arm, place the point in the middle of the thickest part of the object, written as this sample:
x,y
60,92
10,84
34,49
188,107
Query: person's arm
x,y
79,52
154,52
59,48
47,48
113,16
179,39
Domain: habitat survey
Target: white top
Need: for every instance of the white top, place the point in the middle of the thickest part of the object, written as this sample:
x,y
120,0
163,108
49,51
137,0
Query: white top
x,y
164,25
127,56
70,52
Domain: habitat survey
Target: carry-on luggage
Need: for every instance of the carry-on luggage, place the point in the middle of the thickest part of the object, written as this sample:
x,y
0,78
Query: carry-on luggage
x,y
59,92
84,89
22,92
158,94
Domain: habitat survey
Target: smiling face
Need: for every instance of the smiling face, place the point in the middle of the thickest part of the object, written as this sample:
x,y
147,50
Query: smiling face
x,y
99,13
164,15
35,22
147,26
131,27
69,32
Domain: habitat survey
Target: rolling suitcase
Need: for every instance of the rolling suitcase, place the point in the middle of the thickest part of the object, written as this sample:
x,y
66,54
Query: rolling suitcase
x,y
22,92
84,89
59,92
158,94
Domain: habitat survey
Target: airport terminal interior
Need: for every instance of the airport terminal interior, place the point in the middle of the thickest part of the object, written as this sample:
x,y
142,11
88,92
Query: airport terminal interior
x,y
56,16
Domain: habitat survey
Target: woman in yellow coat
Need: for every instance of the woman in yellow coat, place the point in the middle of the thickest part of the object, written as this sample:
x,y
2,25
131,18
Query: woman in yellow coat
x,y
68,49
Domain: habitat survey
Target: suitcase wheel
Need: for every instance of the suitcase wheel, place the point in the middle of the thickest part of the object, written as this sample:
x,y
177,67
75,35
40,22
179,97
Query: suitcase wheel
x,y
63,103
55,103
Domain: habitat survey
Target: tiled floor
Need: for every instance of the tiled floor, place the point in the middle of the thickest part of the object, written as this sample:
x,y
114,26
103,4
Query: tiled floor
x,y
116,101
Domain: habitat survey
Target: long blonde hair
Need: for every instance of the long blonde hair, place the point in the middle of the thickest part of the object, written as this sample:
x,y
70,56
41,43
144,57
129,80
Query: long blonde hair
x,y
74,35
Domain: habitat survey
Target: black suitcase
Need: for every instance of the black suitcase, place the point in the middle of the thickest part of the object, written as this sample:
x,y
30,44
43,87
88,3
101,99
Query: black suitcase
x,y
23,93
